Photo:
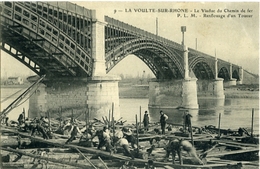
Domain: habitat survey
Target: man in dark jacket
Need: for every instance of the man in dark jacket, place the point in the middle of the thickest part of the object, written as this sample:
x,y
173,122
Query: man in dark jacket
x,y
163,119
146,121
21,119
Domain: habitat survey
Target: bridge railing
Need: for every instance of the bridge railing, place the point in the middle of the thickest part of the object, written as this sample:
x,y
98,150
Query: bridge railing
x,y
141,33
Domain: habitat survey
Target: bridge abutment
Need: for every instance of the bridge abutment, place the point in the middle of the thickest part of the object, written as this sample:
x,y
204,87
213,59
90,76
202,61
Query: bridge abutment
x,y
173,93
76,96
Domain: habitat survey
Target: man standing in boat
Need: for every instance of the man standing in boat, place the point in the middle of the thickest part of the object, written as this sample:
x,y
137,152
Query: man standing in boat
x,y
187,121
163,120
146,121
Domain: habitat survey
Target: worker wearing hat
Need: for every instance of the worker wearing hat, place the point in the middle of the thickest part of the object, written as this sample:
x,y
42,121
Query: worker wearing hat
x,y
74,131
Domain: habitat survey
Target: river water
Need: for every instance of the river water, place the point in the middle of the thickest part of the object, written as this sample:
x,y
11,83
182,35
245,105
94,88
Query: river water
x,y
234,112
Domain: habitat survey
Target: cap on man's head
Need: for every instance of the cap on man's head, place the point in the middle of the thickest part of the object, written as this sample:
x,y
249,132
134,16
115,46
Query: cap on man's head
x,y
105,127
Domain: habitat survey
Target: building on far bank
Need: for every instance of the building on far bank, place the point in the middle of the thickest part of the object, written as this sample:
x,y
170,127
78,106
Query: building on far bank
x,y
14,80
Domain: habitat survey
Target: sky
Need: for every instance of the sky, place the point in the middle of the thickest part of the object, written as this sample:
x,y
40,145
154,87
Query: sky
x,y
235,39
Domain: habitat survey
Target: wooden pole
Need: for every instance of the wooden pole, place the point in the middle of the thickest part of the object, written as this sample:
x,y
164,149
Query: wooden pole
x,y
219,118
181,161
113,121
86,120
23,114
137,134
72,115
88,116
191,134
60,114
103,162
49,121
140,117
109,117
252,122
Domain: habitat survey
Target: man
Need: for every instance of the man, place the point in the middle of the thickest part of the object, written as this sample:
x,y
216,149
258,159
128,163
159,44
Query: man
x,y
88,134
163,119
130,137
187,121
124,144
105,140
146,121
20,119
175,146
74,131
40,129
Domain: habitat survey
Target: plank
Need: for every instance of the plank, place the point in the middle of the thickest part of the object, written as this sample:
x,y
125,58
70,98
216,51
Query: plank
x,y
233,152
44,158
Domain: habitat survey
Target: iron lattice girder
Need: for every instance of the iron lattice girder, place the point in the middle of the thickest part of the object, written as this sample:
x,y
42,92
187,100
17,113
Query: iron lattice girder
x,y
25,46
33,23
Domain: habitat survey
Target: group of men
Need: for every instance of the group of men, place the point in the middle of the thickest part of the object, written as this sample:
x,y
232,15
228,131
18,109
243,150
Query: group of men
x,y
175,146
34,126
163,121
105,138
122,137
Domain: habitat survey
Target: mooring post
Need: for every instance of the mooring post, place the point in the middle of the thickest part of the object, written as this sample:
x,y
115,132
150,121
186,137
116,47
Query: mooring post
x,y
252,123
219,118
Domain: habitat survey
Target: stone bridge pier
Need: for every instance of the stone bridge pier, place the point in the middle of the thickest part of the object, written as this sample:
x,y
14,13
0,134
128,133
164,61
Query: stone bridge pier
x,y
173,93
76,97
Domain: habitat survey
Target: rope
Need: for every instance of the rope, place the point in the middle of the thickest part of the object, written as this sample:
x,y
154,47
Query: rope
x,y
2,101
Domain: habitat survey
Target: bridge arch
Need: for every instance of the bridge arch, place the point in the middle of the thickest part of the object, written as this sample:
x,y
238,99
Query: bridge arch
x,y
235,75
224,74
201,68
163,61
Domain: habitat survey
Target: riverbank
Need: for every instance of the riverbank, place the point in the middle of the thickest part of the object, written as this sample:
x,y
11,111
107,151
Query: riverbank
x,y
142,91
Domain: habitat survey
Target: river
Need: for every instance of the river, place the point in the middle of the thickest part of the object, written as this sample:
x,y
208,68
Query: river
x,y
235,112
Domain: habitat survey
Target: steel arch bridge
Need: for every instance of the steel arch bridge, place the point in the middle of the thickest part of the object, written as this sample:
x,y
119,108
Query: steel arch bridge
x,y
55,38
